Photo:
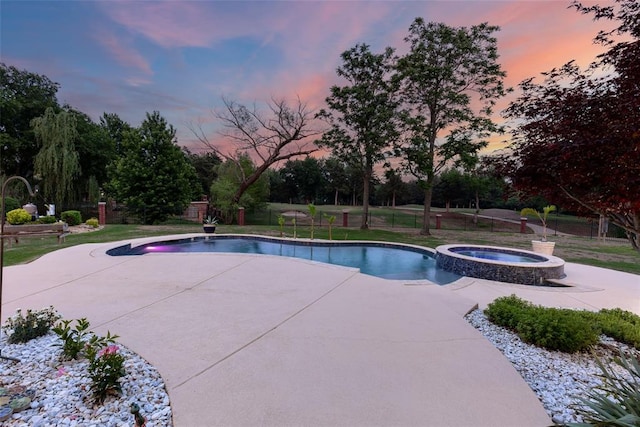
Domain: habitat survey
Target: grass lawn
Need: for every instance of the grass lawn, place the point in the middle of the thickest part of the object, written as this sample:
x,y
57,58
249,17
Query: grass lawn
x,y
615,254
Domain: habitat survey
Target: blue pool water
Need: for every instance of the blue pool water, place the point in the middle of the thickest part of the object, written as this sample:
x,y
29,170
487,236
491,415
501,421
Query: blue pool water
x,y
503,256
376,259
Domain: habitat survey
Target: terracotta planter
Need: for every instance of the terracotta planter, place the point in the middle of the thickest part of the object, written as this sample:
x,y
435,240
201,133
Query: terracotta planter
x,y
545,248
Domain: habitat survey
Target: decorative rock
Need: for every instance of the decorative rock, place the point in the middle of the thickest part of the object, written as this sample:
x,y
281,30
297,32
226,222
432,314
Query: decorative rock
x,y
559,379
60,390
5,412
20,404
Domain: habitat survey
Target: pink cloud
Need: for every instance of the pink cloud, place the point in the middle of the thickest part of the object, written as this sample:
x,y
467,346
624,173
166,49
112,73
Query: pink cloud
x,y
181,23
124,53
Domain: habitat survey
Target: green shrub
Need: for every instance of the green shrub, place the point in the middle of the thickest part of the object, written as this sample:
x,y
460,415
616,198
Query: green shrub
x,y
18,216
71,217
10,204
620,325
35,324
92,222
507,311
617,401
557,329
551,328
47,219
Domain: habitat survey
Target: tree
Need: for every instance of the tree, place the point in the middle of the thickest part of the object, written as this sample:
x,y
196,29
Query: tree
x,y
23,97
230,176
95,150
335,178
153,177
284,134
304,179
57,162
578,140
393,188
205,166
450,80
115,127
450,188
362,114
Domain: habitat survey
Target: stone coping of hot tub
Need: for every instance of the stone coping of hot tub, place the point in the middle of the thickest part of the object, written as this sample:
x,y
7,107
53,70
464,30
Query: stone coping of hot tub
x,y
526,273
546,260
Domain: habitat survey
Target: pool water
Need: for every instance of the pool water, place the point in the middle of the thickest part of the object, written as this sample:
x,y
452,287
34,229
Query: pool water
x,y
376,259
498,256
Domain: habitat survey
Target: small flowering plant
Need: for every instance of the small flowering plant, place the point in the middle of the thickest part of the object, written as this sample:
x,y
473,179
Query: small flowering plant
x,y
33,324
106,367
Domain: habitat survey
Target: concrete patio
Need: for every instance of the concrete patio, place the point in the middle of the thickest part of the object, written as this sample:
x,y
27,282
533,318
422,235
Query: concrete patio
x,y
261,340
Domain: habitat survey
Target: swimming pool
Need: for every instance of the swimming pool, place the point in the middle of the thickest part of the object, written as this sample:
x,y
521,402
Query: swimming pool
x,y
388,261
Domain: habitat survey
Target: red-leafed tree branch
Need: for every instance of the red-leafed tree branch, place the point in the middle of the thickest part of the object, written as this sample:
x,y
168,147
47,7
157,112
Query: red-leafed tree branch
x,y
578,141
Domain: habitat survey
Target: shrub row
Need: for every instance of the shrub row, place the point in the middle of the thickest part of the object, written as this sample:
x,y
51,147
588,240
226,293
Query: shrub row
x,y
21,216
563,329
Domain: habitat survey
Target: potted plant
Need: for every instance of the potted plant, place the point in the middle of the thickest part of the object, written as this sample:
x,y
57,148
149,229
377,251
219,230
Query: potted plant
x,y
209,224
541,246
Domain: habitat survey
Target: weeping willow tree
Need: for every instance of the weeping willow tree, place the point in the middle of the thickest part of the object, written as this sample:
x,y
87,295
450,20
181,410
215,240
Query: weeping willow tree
x,y
57,161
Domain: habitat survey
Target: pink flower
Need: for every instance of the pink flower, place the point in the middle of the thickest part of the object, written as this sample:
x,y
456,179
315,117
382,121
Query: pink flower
x,y
61,371
111,349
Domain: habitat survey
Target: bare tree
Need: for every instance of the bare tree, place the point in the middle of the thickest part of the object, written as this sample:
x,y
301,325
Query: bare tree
x,y
280,135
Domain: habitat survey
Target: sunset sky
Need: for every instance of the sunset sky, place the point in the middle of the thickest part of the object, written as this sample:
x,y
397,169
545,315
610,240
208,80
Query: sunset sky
x,y
180,57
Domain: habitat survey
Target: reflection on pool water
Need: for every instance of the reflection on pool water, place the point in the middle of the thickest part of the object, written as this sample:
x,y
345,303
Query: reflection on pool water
x,y
387,261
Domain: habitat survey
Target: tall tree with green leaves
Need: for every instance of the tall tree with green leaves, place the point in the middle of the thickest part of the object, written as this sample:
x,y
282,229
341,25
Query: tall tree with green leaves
x,y
153,177
362,114
96,150
450,81
57,163
23,97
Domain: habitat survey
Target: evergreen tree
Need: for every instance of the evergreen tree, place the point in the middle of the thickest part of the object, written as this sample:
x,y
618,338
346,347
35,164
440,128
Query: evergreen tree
x,y
153,177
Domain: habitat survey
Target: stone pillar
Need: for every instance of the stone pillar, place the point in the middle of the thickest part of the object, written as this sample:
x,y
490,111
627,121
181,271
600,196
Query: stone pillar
x,y
345,218
523,225
438,222
102,213
240,216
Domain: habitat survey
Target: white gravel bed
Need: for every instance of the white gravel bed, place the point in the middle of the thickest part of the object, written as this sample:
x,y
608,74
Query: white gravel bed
x,y
62,396
557,378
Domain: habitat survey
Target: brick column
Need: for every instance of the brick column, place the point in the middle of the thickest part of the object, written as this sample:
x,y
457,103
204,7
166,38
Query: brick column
x,y
240,216
102,213
523,225
438,222
345,218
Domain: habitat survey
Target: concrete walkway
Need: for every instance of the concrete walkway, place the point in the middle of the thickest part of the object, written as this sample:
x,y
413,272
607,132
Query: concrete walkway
x,y
260,340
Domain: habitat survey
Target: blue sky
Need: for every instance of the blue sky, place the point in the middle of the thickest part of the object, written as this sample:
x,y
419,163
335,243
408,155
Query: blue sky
x,y
180,57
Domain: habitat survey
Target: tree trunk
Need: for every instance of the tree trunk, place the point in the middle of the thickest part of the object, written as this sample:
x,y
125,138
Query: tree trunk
x,y
477,211
365,201
335,198
428,193
448,205
393,204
